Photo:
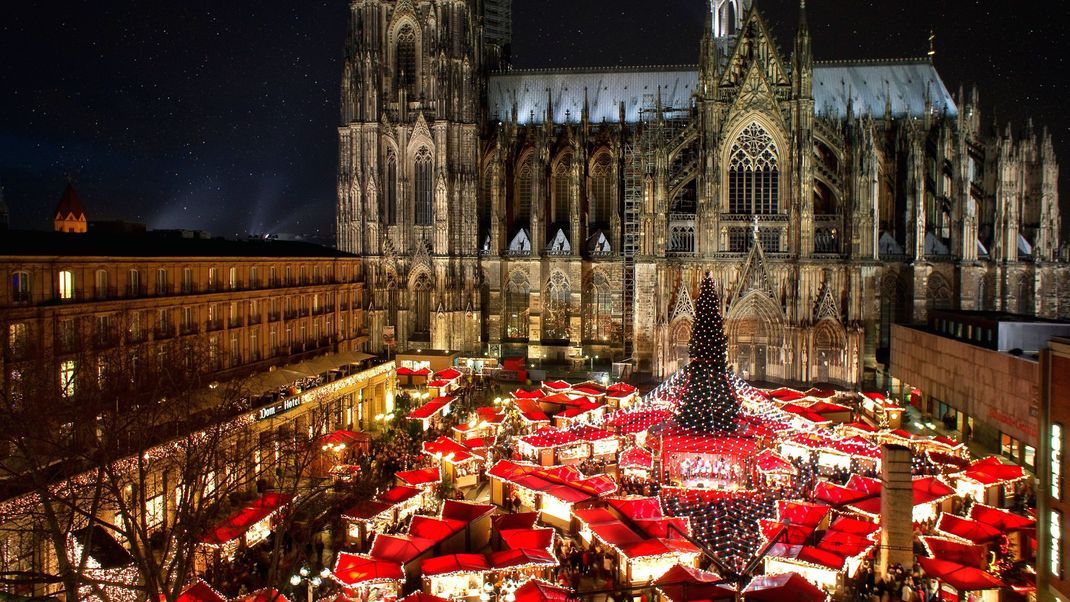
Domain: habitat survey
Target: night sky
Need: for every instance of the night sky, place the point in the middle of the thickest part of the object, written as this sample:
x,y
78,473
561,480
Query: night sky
x,y
221,115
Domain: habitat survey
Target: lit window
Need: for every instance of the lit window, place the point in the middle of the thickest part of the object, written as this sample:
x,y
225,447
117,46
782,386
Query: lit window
x,y
1055,526
66,378
66,285
20,287
1056,461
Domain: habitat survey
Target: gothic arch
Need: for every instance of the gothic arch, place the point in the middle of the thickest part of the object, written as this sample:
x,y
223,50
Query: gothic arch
x,y
516,306
559,207
772,125
404,30
938,292
830,350
755,163
755,328
557,309
523,197
679,340
421,286
601,185
598,319
1024,289
423,188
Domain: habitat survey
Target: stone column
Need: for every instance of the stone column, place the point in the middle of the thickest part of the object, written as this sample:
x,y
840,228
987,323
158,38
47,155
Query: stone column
x,y
897,505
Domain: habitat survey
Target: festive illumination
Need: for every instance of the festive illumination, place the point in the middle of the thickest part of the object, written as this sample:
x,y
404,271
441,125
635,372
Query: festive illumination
x,y
709,403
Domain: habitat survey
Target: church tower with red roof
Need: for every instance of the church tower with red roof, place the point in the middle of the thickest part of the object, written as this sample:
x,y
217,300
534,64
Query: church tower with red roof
x,y
70,217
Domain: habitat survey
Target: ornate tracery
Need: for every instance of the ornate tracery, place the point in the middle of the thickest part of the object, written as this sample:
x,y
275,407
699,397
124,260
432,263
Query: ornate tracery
x,y
753,173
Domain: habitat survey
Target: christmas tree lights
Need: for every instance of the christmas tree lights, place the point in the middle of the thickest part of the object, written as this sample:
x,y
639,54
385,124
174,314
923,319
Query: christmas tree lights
x,y
709,403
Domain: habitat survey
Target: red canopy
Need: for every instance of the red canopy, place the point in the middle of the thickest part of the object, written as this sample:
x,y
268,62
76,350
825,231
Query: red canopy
x,y
785,394
930,489
454,563
967,529
399,549
404,371
520,520
636,457
801,513
517,539
620,389
795,534
355,569
422,597
954,550
238,523
465,512
448,374
785,587
421,476
589,389
961,577
198,591
522,557
845,544
522,394
991,471
1003,520
556,385
345,437
770,461
637,507
366,509
448,448
808,554
530,410
536,590
866,484
430,408
837,495
435,529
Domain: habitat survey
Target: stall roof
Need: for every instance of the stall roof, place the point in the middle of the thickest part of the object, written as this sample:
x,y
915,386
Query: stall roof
x,y
636,457
620,390
238,523
967,529
637,507
1004,520
783,587
961,577
464,511
434,529
420,476
770,461
199,591
530,410
556,385
448,374
946,548
448,448
522,394
537,590
345,437
399,494
807,554
263,595
422,597
356,569
522,557
990,471
589,389
519,520
454,563
801,513
430,408
837,495
366,509
517,539
399,549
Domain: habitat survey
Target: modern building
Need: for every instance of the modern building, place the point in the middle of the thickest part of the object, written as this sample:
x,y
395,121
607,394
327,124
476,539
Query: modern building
x,y
570,212
284,322
979,374
1053,582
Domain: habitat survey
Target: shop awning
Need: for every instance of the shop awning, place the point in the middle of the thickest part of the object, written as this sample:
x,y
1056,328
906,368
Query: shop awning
x,y
263,595
522,394
434,529
520,520
801,513
961,577
356,569
785,587
931,490
770,461
636,457
808,555
465,512
399,494
399,549
837,495
365,510
238,523
449,374
991,471
637,507
556,385
450,450
518,539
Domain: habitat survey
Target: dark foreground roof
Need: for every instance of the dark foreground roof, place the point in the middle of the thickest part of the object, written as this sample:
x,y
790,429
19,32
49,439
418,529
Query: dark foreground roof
x,y
151,244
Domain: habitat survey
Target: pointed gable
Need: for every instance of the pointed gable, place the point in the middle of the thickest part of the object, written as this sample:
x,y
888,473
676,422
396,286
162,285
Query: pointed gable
x,y
754,46
684,306
827,307
754,277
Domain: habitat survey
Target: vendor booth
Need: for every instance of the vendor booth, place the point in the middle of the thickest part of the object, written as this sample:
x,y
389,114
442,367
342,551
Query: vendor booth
x,y
198,591
773,470
367,578
462,465
455,576
781,588
685,584
989,481
876,409
381,513
620,396
432,412
1019,530
244,528
552,491
422,478
961,582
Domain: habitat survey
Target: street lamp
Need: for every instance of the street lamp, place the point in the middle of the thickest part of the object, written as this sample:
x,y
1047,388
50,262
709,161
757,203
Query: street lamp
x,y
313,582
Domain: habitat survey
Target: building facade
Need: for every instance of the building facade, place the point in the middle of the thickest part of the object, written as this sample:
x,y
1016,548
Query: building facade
x,y
558,213
1053,583
284,322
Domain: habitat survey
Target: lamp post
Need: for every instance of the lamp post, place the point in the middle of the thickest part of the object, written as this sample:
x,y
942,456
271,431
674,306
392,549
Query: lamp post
x,y
313,582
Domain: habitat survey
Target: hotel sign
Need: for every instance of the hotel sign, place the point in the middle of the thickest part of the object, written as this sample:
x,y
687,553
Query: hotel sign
x,y
277,408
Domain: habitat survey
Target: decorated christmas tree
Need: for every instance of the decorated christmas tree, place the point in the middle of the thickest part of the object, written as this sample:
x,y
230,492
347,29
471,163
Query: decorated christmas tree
x,y
709,403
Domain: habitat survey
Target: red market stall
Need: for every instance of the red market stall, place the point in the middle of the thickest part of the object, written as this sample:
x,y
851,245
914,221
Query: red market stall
x,y
462,465
422,597
553,491
367,577
262,595
773,470
1018,529
381,513
958,581
636,462
621,396
456,576
876,409
248,526
422,478
785,587
431,411
954,550
989,481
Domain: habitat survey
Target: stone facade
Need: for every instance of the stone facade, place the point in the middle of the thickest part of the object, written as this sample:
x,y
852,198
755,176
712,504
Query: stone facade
x,y
572,212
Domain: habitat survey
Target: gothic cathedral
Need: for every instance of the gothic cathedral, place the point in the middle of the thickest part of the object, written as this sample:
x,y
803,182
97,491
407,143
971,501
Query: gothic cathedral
x,y
572,212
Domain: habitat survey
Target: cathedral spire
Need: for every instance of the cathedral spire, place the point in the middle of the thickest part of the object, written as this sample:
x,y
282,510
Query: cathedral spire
x,y
804,58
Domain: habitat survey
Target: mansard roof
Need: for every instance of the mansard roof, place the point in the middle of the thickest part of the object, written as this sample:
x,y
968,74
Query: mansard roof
x,y
869,84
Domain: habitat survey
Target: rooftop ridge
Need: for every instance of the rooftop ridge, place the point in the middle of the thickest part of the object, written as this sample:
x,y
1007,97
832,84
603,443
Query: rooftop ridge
x,y
878,61
610,69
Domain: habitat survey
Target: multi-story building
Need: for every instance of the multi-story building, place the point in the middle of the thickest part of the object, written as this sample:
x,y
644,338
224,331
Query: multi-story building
x,y
979,374
283,321
571,212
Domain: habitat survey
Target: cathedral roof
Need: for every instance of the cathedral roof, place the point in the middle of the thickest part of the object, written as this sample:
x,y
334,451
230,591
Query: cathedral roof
x,y
869,84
